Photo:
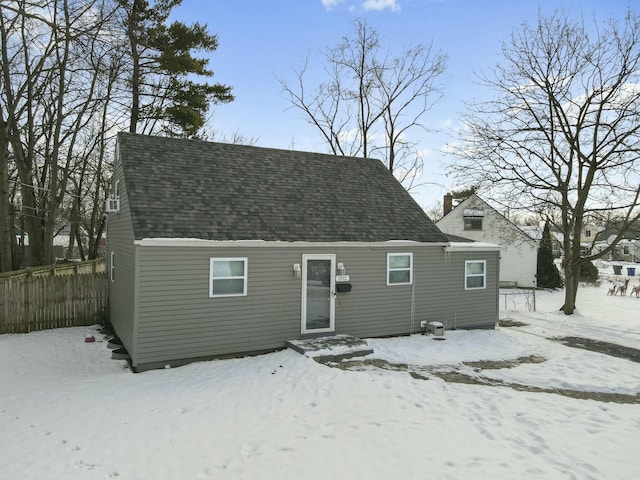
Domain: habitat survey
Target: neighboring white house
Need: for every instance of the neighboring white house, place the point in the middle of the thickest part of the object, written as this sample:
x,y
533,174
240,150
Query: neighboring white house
x,y
536,234
627,249
475,219
589,233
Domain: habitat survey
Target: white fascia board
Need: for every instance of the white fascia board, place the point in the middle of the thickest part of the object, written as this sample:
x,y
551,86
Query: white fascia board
x,y
471,247
196,242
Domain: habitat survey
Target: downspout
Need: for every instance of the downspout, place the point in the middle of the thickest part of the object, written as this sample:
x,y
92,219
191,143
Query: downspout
x,y
413,302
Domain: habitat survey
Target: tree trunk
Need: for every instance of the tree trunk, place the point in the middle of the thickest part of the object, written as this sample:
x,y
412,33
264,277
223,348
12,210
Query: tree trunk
x,y
133,20
569,293
94,246
17,245
6,225
572,278
74,216
80,247
33,227
572,265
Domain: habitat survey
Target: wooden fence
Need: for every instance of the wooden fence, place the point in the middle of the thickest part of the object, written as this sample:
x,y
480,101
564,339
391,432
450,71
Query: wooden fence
x,y
65,295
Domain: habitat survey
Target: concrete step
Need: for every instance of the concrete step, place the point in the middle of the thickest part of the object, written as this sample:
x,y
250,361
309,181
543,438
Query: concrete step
x,y
332,348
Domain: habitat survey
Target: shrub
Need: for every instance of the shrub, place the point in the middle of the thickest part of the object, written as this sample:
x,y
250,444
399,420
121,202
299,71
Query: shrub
x,y
588,272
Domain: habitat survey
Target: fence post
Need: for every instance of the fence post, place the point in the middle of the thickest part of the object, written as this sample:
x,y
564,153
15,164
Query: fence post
x,y
27,303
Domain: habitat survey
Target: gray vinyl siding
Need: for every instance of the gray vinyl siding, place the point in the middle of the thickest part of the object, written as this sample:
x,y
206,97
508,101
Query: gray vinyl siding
x,y
468,308
177,320
120,240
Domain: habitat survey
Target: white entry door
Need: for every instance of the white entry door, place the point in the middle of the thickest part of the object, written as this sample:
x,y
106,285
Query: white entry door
x,y
318,293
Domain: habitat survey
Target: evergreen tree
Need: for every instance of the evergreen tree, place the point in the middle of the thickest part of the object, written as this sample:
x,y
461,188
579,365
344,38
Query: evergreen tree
x,y
462,194
162,66
548,274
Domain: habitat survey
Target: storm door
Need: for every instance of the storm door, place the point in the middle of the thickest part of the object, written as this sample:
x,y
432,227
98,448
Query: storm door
x,y
318,293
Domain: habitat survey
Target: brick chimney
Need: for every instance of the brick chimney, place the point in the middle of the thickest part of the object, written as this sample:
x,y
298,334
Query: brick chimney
x,y
447,203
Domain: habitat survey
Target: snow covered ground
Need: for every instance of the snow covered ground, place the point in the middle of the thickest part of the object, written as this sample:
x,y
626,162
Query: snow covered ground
x,y
67,411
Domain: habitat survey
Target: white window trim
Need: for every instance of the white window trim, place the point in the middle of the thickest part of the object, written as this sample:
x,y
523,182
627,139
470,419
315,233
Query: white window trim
x,y
112,267
389,269
112,204
483,275
244,276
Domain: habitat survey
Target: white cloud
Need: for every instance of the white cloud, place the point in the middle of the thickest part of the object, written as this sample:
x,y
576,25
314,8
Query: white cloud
x,y
366,5
380,5
329,4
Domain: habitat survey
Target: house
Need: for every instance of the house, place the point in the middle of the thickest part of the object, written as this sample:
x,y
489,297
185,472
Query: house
x,y
589,232
628,247
217,250
475,219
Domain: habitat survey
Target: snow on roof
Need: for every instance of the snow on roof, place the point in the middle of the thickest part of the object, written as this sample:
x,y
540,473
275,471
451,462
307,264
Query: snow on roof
x,y
468,246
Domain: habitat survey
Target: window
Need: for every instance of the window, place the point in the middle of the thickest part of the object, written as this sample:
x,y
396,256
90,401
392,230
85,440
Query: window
x,y
472,223
475,274
587,233
472,218
112,204
228,277
399,268
112,266
625,249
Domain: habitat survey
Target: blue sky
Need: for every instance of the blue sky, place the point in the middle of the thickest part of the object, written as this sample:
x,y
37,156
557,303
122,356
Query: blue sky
x,y
263,40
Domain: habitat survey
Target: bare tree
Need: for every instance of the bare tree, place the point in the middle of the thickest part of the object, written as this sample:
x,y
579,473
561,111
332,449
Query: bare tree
x,y
72,74
89,183
435,211
562,135
371,100
48,94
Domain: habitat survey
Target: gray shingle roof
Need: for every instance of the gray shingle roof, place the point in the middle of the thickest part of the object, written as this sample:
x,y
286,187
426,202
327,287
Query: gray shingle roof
x,y
193,189
456,238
